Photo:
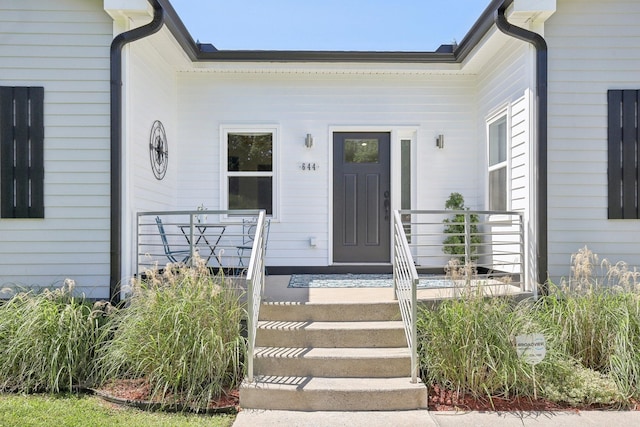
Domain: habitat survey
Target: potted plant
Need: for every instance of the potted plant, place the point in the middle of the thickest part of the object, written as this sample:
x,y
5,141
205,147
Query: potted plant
x,y
455,243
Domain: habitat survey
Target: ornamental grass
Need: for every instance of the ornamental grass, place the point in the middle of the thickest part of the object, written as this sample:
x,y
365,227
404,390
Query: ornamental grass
x,y
181,331
591,323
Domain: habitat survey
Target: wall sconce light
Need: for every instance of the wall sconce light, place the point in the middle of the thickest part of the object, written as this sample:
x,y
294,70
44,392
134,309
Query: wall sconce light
x,y
440,141
308,141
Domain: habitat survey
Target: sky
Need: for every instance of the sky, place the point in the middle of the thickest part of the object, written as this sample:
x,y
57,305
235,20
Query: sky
x,y
342,25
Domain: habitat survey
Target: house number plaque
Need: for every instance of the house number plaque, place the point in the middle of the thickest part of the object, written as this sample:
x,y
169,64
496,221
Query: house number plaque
x,y
309,166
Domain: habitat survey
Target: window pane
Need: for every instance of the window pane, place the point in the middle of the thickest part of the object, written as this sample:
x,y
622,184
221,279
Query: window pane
x,y
361,151
249,152
498,141
251,192
405,184
405,174
498,189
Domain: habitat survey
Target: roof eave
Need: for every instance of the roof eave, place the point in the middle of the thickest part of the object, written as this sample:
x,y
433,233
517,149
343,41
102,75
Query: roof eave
x,y
205,52
325,56
479,29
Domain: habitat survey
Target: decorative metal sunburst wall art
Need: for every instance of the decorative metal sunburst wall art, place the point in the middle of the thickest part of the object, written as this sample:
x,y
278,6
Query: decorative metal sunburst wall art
x,y
158,150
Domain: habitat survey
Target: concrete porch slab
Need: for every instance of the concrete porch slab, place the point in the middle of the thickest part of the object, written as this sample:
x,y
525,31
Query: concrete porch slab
x,y
277,290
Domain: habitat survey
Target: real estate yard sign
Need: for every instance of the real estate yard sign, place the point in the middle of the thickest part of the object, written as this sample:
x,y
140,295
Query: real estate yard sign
x,y
531,348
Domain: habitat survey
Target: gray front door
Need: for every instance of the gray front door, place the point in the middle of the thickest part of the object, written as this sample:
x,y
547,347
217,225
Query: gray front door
x,y
361,197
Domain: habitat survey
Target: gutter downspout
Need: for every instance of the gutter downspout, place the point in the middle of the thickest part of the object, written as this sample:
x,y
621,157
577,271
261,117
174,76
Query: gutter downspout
x,y
117,45
542,115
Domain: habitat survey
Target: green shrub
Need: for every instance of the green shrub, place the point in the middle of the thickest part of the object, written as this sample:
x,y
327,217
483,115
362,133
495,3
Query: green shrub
x,y
47,340
566,381
181,331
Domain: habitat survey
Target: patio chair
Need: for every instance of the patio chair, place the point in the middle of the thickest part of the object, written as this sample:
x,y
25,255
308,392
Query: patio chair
x,y
248,233
173,255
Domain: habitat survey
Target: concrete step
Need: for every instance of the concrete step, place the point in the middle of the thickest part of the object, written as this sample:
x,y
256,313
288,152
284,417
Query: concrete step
x,y
333,362
347,312
330,334
333,394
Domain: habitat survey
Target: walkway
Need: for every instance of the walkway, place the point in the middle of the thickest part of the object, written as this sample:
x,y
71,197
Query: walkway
x,y
257,418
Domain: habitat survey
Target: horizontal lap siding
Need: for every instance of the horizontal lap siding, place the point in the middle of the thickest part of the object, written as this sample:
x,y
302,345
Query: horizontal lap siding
x,y
313,103
594,46
505,84
502,83
62,45
151,94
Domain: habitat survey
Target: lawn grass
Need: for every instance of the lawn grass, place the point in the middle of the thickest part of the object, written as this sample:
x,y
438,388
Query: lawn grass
x,y
85,410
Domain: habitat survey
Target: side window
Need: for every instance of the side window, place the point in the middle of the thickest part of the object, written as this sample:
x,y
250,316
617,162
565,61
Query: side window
x,y
21,152
249,172
498,162
623,157
405,184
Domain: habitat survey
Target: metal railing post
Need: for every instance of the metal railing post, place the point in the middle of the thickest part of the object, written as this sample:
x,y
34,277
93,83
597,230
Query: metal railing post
x,y
414,330
192,246
523,275
467,238
251,332
255,285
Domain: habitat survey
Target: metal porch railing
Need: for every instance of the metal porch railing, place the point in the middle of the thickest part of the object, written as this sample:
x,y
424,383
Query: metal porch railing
x,y
490,242
218,238
405,284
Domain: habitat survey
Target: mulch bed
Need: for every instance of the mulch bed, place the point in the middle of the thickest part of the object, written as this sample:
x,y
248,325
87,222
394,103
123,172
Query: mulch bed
x,y
441,399
137,393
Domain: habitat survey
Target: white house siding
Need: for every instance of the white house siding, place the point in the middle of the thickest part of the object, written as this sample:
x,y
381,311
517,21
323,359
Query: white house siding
x,y
594,45
150,94
317,103
505,85
62,45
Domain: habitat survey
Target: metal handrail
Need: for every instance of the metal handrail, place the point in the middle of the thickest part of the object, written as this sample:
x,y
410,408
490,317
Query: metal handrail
x,y
490,241
255,286
405,284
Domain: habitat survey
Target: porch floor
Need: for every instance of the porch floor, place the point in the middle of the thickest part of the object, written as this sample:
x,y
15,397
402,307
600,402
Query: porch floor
x,y
277,290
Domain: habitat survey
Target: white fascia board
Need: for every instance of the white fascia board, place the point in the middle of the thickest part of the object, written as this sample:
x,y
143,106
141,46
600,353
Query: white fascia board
x,y
324,68
123,9
533,11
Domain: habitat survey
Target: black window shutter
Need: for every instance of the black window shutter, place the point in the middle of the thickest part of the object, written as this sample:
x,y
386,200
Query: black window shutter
x,y
623,170
22,152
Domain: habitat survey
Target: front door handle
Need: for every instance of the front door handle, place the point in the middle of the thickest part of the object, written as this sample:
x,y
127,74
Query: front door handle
x,y
387,205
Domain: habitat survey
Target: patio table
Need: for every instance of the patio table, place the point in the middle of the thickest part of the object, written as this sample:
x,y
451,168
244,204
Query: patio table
x,y
201,234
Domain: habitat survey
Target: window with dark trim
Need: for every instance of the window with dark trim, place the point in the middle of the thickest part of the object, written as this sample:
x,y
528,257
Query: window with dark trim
x,y
623,170
250,169
21,152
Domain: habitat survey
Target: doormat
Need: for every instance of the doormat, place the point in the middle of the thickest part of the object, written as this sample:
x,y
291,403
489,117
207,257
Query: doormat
x,y
360,281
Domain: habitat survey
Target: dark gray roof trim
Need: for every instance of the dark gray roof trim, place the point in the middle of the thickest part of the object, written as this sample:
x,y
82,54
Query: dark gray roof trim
x,y
444,54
